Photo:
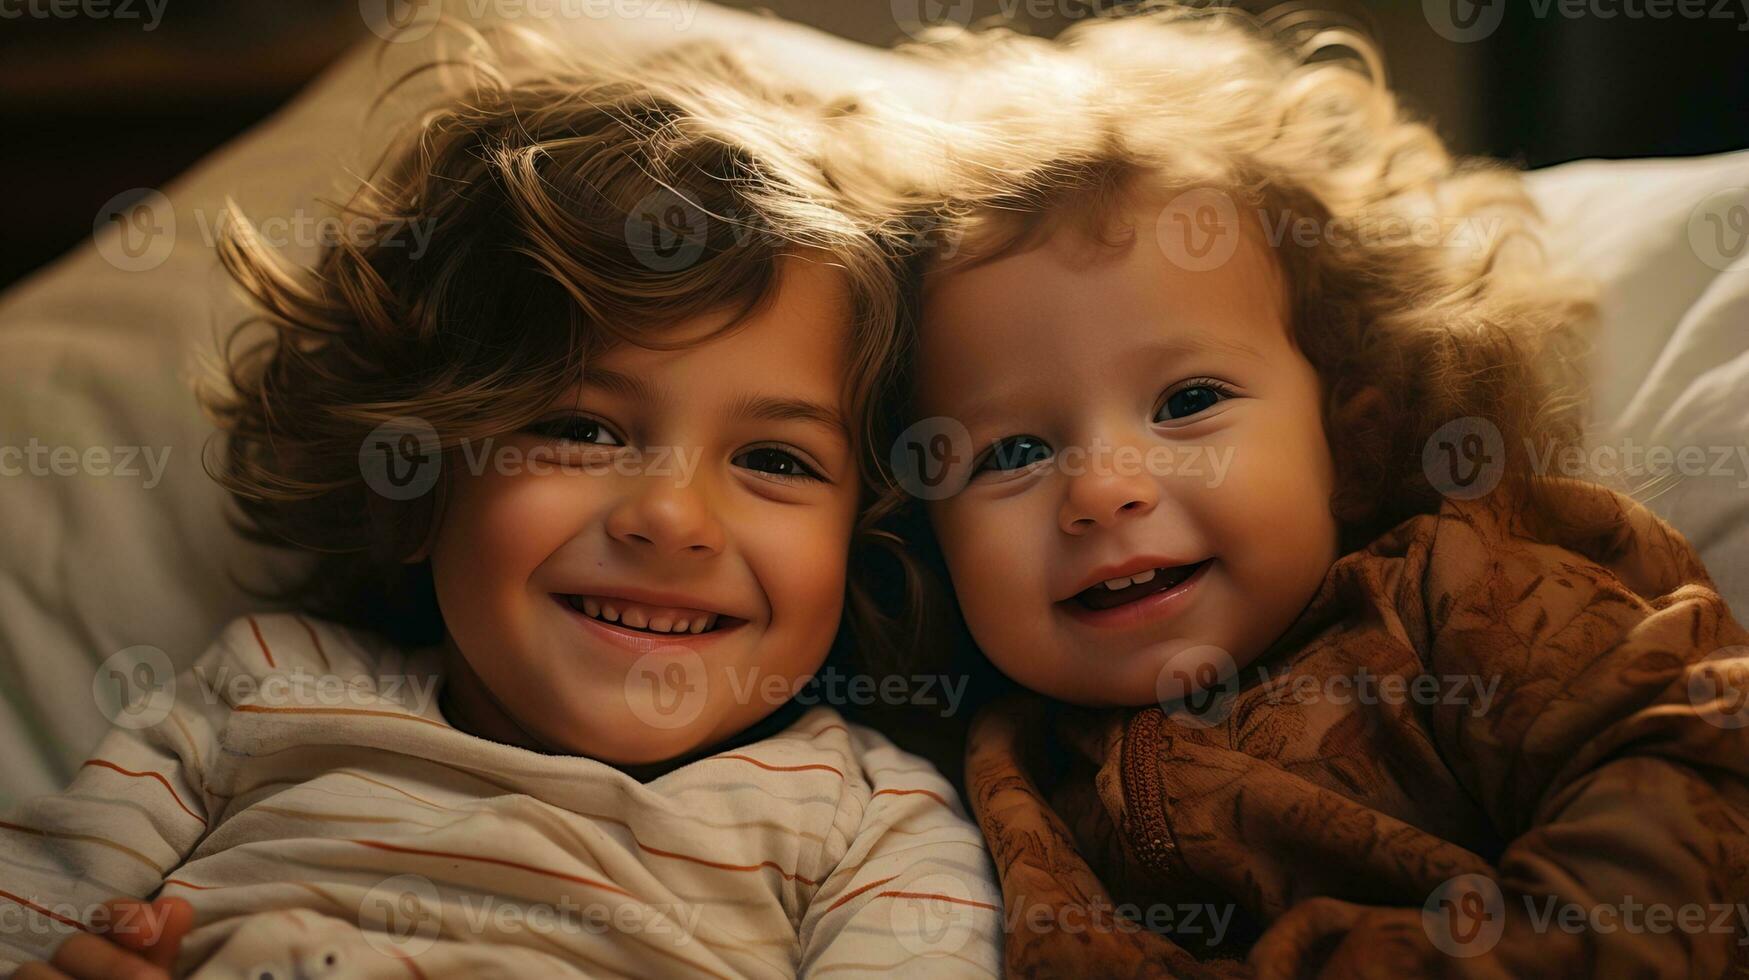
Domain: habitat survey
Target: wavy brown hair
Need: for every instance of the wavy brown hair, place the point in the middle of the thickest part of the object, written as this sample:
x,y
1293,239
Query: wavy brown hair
x,y
1293,122
528,186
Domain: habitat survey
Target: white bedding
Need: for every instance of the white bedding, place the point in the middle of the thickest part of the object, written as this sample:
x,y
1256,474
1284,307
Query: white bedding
x,y
96,353
1671,366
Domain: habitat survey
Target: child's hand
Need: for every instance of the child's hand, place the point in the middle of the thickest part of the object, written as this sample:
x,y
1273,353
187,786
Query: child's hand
x,y
139,942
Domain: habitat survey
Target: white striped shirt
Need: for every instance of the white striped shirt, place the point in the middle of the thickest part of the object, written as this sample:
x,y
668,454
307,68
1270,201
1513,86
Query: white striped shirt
x,y
351,831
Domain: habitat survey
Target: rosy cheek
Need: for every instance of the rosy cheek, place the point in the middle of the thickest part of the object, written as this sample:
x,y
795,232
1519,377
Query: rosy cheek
x,y
528,509
802,570
497,531
989,556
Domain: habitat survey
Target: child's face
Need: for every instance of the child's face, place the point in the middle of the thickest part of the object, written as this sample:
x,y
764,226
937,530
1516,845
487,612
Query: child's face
x,y
713,484
1143,418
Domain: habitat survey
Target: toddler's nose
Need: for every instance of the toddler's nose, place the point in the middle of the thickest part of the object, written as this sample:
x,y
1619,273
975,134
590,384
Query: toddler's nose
x,y
1100,499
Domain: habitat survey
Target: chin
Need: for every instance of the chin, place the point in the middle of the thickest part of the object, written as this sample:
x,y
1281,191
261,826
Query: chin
x,y
1133,678
650,746
644,755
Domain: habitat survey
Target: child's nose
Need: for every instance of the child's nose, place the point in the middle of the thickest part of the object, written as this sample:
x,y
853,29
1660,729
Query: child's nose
x,y
669,518
1100,499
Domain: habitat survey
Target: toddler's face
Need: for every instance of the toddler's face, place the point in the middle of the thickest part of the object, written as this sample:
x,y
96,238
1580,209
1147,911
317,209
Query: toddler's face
x,y
680,553
1150,480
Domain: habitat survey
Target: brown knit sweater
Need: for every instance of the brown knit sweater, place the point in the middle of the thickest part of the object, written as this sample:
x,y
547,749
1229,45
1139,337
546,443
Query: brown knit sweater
x,y
1567,796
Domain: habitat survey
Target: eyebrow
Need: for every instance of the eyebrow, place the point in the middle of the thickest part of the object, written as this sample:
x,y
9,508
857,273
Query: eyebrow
x,y
1182,346
1172,347
626,385
770,408
767,408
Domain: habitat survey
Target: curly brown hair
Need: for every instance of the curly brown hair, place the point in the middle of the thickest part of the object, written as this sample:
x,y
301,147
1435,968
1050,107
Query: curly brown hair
x,y
528,187
1406,333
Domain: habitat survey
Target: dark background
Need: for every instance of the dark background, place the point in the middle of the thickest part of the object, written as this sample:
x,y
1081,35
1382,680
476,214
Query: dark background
x,y
93,107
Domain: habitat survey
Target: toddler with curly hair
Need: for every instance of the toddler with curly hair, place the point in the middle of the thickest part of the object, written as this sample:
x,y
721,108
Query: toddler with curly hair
x,y
1223,422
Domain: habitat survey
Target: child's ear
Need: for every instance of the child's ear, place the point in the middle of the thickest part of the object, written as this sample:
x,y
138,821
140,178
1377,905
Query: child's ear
x,y
1357,418
1359,440
1361,406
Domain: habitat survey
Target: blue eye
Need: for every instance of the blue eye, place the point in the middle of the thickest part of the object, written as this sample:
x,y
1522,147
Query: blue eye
x,y
578,429
1014,453
1192,399
776,462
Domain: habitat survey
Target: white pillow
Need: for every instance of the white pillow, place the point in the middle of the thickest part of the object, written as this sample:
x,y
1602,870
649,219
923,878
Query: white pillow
x,y
1668,242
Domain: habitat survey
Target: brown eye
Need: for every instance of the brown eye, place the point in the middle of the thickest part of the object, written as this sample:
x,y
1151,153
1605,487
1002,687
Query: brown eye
x,y
775,462
578,429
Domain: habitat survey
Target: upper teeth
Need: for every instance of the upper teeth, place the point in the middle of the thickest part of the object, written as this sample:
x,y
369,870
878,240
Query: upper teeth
x,y
1123,583
639,619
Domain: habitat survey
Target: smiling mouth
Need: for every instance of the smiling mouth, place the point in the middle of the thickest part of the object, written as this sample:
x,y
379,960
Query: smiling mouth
x,y
1121,591
644,618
